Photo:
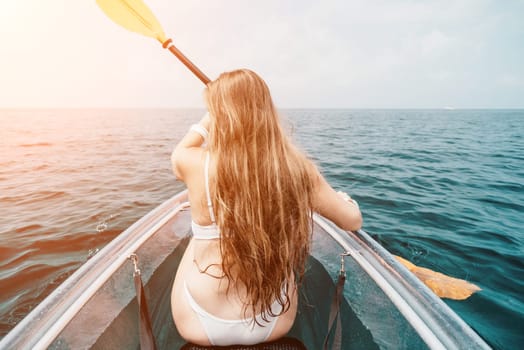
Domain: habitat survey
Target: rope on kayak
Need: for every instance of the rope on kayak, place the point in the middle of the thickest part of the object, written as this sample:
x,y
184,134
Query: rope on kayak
x,y
334,312
145,331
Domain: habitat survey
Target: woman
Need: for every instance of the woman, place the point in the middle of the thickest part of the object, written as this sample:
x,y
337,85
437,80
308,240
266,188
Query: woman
x,y
251,193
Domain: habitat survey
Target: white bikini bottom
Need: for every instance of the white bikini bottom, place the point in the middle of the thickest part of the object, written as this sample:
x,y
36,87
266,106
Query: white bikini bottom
x,y
222,332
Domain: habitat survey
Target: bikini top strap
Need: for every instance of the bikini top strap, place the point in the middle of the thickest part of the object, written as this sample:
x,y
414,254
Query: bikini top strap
x,y
208,195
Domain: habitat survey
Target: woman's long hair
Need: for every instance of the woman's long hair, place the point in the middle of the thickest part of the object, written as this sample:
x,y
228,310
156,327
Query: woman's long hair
x,y
263,191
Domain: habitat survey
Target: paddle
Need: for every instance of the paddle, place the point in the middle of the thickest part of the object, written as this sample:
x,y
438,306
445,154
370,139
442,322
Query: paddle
x,y
135,16
442,285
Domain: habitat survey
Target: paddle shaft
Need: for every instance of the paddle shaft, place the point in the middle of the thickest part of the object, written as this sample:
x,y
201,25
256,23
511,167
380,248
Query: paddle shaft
x,y
169,45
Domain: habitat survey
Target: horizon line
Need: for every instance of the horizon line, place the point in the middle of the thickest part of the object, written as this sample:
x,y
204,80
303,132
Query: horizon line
x,y
296,108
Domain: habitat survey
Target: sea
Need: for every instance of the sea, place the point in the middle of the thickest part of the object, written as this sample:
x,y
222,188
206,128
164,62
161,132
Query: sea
x,y
443,188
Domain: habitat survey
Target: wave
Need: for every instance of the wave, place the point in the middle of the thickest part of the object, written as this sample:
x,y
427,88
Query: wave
x,y
37,144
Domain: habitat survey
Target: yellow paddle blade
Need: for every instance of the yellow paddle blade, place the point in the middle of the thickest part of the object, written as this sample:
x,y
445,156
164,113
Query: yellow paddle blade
x,y
133,15
442,285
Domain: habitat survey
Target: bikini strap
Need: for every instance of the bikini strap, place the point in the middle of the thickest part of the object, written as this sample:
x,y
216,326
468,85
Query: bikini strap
x,y
208,195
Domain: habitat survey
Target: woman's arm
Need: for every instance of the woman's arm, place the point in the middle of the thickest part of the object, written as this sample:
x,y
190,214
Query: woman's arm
x,y
186,150
196,135
337,207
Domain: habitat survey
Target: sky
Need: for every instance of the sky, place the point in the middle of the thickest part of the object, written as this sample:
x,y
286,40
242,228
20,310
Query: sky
x,y
312,54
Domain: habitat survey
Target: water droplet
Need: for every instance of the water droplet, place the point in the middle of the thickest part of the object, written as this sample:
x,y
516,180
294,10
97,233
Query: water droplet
x,y
92,252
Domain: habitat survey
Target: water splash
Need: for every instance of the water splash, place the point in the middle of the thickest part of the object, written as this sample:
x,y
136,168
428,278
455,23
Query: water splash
x,y
92,252
104,224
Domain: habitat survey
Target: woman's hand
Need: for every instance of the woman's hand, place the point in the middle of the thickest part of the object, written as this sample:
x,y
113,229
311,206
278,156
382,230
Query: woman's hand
x,y
337,206
344,196
347,198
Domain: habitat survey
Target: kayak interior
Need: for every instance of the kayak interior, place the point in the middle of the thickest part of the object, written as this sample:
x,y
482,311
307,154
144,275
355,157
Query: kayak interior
x,y
384,306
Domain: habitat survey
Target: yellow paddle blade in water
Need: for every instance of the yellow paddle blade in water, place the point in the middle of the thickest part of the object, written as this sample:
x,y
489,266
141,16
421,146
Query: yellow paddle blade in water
x,y
133,15
442,285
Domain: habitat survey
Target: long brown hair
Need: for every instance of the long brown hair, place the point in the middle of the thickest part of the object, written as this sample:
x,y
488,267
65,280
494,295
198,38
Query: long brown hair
x,y
262,191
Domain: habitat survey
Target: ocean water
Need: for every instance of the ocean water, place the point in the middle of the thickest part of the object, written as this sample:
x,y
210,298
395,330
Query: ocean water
x,y
443,188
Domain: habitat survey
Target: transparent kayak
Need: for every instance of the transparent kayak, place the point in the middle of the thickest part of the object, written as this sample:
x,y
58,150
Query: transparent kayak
x,y
384,305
